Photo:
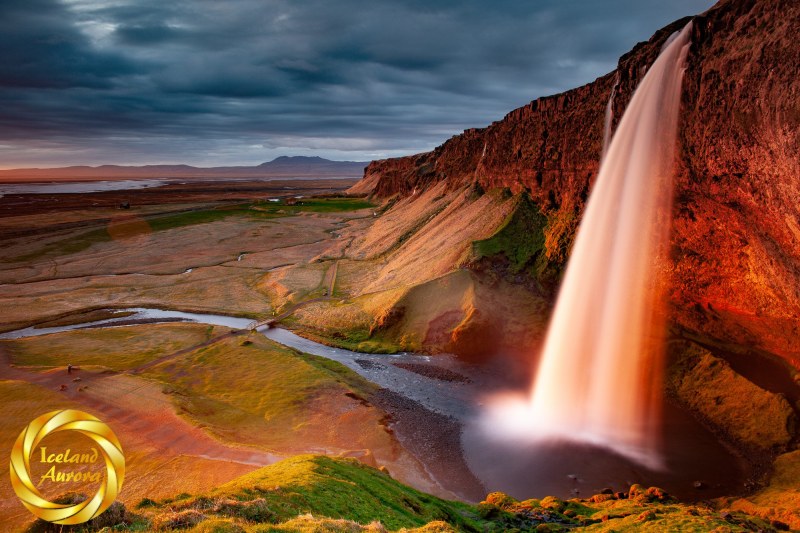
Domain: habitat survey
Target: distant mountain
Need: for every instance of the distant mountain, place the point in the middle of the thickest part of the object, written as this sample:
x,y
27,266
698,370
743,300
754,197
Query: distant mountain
x,y
292,163
280,167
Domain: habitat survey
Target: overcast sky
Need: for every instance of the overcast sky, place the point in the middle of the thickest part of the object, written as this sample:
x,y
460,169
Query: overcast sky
x,y
214,82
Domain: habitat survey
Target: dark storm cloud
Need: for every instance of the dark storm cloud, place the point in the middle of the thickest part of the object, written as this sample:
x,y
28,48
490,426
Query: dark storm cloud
x,y
39,50
242,81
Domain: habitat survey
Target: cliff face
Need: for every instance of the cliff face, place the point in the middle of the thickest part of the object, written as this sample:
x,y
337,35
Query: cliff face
x,y
736,228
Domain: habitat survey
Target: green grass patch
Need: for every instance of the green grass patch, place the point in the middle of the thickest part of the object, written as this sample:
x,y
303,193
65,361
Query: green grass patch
x,y
317,493
520,239
316,205
118,348
258,400
530,241
353,339
70,244
334,488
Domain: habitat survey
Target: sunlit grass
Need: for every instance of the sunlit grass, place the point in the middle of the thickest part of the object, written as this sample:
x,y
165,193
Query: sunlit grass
x,y
118,348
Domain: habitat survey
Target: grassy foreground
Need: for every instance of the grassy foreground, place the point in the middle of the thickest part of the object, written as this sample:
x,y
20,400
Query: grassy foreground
x,y
312,493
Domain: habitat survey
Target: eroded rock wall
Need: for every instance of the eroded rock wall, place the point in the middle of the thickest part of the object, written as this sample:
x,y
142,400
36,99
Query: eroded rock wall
x,y
736,237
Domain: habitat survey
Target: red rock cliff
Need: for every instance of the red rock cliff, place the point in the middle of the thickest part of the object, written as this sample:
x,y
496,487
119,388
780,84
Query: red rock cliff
x,y
737,211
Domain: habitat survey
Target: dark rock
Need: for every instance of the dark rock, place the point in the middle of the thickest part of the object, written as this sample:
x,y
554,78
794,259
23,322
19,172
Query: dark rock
x,y
116,516
777,524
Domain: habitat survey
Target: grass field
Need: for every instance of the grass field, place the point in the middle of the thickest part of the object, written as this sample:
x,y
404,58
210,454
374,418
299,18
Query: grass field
x,y
119,348
273,397
130,225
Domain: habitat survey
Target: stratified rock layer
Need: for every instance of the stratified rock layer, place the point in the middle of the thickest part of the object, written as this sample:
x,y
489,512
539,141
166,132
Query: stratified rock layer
x,y
736,238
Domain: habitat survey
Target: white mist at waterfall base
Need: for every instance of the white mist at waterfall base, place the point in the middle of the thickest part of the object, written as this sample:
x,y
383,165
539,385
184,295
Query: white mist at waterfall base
x,y
599,377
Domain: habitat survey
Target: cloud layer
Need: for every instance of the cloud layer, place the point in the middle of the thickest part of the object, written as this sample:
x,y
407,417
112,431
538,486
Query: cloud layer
x,y
242,81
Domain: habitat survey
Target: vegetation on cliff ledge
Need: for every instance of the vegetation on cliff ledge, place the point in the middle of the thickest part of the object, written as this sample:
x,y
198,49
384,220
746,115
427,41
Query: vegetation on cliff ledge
x,y
533,243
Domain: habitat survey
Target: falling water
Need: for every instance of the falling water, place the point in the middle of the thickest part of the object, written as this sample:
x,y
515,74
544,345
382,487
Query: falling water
x,y
609,118
599,378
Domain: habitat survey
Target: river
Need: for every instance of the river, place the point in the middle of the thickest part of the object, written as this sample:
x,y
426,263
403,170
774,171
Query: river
x,y
438,399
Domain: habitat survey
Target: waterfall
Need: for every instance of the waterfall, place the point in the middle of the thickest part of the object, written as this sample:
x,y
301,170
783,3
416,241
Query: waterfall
x,y
609,118
600,371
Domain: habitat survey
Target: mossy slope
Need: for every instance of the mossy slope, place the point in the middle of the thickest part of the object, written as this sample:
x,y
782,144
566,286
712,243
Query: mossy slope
x,y
323,486
531,242
312,493
324,494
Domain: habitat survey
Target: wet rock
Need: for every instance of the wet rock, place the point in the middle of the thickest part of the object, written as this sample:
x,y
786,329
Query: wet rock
x,y
659,495
600,498
366,364
500,499
777,524
553,503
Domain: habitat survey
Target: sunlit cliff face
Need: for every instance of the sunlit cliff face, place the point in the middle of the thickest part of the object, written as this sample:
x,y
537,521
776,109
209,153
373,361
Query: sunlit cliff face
x,y
599,375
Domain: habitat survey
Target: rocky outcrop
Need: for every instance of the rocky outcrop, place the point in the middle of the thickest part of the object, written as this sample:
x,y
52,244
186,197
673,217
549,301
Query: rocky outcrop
x,y
725,401
736,238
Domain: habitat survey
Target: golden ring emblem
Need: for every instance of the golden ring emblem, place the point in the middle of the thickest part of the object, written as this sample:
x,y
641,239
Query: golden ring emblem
x,y
85,424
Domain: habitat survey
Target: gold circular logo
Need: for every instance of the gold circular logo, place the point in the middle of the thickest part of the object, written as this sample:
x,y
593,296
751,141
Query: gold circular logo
x,y
85,424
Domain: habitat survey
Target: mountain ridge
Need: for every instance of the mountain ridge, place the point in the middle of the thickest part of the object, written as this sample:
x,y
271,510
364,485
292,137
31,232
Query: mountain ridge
x,y
282,166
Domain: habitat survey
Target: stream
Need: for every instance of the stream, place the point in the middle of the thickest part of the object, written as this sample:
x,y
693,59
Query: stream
x,y
446,398
435,403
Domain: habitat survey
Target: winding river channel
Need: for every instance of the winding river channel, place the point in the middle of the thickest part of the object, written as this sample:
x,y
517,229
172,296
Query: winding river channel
x,y
435,402
444,397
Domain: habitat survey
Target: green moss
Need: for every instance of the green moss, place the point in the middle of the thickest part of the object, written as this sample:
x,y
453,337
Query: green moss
x,y
323,494
332,488
520,239
529,240
357,339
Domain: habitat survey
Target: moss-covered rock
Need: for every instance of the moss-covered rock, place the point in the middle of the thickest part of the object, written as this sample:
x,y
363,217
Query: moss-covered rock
x,y
708,386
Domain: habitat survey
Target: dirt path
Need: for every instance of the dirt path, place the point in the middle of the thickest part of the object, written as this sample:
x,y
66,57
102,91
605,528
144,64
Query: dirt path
x,y
334,270
209,342
329,296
